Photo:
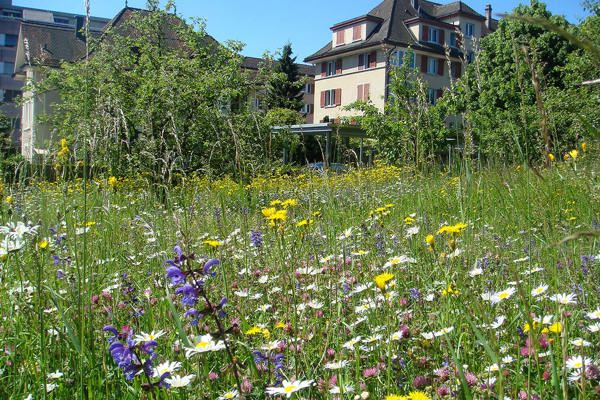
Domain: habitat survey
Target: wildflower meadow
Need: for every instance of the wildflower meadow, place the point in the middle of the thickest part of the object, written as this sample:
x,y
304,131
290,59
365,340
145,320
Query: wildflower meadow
x,y
377,283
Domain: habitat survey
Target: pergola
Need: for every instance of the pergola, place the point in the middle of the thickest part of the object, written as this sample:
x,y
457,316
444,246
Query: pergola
x,y
328,130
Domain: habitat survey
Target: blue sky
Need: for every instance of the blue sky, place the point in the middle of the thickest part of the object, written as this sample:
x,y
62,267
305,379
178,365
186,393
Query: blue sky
x,y
266,25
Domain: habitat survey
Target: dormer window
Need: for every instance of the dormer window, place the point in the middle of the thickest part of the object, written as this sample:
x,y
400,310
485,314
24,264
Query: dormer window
x,y
434,35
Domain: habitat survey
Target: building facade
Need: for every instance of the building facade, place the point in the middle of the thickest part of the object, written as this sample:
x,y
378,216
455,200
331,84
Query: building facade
x,y
11,19
356,63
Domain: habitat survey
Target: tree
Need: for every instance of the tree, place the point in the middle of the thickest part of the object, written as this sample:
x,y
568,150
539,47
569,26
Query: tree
x,y
158,97
513,86
285,86
6,147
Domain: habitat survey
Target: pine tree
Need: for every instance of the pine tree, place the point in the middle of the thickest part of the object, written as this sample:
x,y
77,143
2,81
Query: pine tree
x,y
285,86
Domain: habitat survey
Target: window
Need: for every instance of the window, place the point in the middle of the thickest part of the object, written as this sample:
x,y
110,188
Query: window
x,y
331,68
364,92
432,66
6,68
434,35
8,40
330,98
307,109
12,13
431,94
453,39
367,60
7,96
63,21
307,88
397,58
470,30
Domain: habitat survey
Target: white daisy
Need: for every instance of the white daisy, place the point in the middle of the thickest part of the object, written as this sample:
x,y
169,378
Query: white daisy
x,y
144,337
538,291
177,381
204,344
289,388
564,298
166,367
475,272
594,315
502,295
232,394
578,362
580,342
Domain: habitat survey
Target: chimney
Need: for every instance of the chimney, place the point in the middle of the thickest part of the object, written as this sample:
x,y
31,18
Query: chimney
x,y
79,27
488,16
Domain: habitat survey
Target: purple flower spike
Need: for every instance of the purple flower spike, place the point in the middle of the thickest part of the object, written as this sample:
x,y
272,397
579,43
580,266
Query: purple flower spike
x,y
209,264
175,275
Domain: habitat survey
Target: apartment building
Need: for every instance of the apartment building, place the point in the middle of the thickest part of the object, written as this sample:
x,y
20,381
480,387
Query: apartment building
x,y
11,19
356,63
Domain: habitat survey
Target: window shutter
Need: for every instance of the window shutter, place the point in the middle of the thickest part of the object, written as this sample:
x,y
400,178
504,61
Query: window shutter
x,y
338,66
425,30
361,62
442,36
323,94
357,32
339,37
366,90
456,70
373,59
338,97
424,64
323,70
360,94
439,93
441,62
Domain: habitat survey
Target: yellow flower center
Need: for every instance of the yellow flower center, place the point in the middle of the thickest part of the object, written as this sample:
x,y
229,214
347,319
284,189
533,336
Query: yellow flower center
x,y
202,345
289,389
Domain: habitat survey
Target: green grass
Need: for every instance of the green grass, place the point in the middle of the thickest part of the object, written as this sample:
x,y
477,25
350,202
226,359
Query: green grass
x,y
516,219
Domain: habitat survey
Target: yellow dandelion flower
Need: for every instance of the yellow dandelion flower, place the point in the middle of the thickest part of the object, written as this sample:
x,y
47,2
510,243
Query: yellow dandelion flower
x,y
418,395
430,240
555,328
584,147
382,280
304,223
112,181
574,154
255,330
9,200
290,203
395,397
213,243
43,244
551,157
409,220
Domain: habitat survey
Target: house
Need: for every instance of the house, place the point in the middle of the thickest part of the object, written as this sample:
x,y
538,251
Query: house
x,y
356,63
43,44
11,19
